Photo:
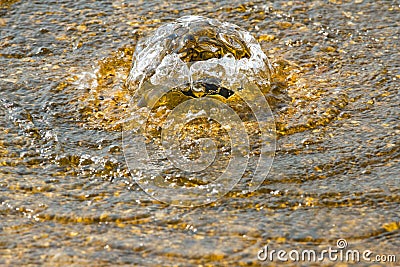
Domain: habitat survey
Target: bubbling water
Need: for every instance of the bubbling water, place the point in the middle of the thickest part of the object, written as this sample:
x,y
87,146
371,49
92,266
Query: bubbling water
x,y
198,117
200,56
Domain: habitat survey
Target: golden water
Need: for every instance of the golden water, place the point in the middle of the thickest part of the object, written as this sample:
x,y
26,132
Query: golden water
x,y
66,195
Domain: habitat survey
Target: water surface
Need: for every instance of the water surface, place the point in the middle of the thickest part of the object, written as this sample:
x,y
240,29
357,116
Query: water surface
x,y
66,195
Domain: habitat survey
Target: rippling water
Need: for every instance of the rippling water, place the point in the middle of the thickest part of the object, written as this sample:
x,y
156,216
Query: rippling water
x,y
66,195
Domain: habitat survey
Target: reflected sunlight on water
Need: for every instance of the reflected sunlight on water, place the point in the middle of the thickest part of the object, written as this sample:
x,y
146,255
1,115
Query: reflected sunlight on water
x,y
66,195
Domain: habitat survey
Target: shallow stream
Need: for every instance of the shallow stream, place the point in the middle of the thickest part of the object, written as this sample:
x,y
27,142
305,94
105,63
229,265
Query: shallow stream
x,y
66,194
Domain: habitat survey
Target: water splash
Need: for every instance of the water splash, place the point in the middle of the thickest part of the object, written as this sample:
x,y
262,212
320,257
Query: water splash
x,y
199,55
191,76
